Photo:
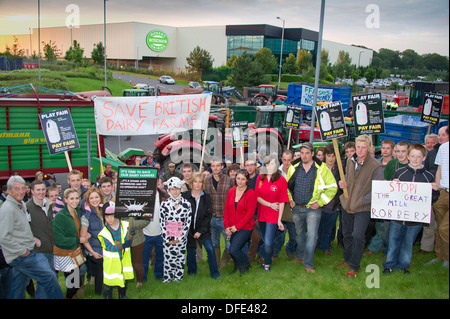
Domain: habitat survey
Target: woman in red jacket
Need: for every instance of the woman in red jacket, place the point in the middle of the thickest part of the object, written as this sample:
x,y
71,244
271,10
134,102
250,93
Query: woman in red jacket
x,y
239,219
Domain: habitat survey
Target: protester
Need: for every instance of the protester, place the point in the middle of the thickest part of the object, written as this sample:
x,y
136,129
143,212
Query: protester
x,y
239,219
105,184
41,218
66,227
218,186
175,221
320,153
403,234
171,172
137,248
331,210
387,147
311,185
187,169
200,229
17,244
362,169
430,141
92,223
399,162
272,195
116,242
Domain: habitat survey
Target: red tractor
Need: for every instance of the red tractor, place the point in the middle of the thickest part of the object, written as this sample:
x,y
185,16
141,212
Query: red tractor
x,y
268,94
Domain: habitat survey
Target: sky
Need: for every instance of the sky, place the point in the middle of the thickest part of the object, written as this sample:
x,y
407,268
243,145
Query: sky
x,y
397,25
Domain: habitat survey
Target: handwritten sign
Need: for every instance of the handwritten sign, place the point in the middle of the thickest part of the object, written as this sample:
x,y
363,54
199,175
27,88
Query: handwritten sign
x,y
432,106
369,116
174,229
151,114
331,120
59,131
401,201
323,95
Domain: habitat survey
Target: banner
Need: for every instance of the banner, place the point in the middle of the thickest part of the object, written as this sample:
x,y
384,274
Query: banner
x,y
149,115
401,201
59,131
323,95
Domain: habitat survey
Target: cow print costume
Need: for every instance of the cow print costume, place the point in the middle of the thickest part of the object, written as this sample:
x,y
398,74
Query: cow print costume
x,y
174,254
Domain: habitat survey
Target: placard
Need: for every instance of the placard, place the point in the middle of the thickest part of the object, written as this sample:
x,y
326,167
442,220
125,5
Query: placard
x,y
432,106
368,113
325,95
293,117
331,120
136,191
59,131
401,201
239,133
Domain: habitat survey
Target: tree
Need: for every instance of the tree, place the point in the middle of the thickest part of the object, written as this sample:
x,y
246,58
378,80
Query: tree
x,y
370,74
342,67
51,51
289,66
199,59
247,72
434,61
74,53
265,57
232,60
304,60
98,53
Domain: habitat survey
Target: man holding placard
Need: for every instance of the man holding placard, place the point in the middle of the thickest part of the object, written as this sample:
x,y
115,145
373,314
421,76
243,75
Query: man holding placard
x,y
362,169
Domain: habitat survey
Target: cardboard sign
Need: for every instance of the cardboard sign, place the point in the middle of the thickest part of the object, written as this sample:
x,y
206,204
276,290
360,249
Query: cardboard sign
x,y
136,191
432,106
239,133
331,120
325,95
59,131
368,113
174,229
293,117
401,201
150,115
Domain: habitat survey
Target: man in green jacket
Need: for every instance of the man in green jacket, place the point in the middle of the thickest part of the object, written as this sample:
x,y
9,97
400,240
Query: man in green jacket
x,y
311,185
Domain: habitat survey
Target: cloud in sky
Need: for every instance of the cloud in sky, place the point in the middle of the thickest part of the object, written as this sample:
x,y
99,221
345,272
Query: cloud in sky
x,y
409,24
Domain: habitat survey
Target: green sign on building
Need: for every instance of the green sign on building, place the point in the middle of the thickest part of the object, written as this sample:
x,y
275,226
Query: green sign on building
x,y
157,40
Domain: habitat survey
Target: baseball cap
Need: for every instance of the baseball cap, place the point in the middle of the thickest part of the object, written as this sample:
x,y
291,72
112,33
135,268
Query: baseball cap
x,y
308,146
109,210
171,165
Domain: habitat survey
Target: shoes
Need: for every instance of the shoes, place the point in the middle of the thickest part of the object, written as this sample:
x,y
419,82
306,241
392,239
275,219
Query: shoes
x,y
265,267
298,261
387,271
344,264
351,273
368,253
406,272
310,270
289,256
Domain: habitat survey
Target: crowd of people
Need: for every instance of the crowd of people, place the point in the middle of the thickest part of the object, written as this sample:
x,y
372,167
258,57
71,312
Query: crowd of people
x,y
251,205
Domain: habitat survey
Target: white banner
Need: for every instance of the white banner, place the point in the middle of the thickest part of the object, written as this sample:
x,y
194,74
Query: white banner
x,y
401,201
149,115
322,95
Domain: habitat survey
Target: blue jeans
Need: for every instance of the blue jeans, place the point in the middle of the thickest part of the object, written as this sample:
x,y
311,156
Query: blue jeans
x,y
401,240
40,292
327,224
150,242
212,262
307,223
218,228
280,238
6,278
238,241
32,266
268,231
379,242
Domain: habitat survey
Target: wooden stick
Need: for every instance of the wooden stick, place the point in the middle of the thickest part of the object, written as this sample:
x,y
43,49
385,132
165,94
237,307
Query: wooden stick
x,y
289,138
339,162
204,145
68,160
100,154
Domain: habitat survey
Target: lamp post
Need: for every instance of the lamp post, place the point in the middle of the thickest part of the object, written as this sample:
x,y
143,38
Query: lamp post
x,y
39,39
104,36
281,53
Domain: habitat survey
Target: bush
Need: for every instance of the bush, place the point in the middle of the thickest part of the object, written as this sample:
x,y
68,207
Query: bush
x,y
291,78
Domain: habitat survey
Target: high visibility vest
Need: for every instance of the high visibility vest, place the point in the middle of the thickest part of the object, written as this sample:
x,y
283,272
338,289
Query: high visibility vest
x,y
115,269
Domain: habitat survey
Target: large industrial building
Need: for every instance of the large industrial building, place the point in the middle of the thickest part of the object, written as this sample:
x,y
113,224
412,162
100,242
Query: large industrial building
x,y
129,43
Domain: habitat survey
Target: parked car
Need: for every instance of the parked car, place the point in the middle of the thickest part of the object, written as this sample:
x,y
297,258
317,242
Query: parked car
x,y
194,85
166,79
141,86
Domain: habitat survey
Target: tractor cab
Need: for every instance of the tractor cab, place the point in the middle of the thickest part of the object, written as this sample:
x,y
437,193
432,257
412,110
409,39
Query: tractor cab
x,y
272,116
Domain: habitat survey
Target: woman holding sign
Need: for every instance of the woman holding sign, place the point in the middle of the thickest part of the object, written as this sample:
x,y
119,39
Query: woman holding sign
x,y
175,222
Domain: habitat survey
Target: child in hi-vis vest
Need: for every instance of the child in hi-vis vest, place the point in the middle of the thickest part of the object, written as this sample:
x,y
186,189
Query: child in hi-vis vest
x,y
117,267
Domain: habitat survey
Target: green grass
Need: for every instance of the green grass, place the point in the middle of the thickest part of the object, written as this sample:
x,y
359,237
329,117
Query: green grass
x,y
288,280
84,84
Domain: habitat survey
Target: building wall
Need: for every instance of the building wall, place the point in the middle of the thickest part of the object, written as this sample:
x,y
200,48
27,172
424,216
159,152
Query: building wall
x,y
333,49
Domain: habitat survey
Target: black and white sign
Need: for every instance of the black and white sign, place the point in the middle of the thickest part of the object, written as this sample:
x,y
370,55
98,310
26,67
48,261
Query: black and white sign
x,y
293,117
331,120
59,131
239,133
432,106
368,113
136,191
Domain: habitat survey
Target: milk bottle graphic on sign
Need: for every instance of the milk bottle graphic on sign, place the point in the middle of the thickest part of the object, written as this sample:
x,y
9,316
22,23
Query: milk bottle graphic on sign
x,y
427,107
325,121
361,114
52,131
290,116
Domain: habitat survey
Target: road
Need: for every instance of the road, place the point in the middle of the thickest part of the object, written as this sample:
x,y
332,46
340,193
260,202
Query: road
x,y
146,80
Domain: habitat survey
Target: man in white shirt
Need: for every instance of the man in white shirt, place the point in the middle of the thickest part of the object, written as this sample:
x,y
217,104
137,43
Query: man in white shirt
x,y
441,206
